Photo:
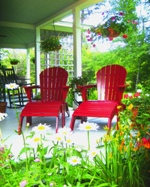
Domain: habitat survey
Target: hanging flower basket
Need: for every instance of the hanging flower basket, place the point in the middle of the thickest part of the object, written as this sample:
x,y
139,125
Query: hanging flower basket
x,y
14,61
111,28
51,44
112,33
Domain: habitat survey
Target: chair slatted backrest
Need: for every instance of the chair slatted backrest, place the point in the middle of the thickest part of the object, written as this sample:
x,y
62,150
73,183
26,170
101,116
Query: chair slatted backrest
x,y
108,79
52,81
9,75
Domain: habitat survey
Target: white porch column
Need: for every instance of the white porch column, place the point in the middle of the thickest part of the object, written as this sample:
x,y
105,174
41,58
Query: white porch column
x,y
28,66
37,56
77,42
77,47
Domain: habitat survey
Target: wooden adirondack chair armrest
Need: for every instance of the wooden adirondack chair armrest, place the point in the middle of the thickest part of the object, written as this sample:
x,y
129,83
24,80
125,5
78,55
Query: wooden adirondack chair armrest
x,y
28,90
84,89
65,91
26,84
121,91
123,86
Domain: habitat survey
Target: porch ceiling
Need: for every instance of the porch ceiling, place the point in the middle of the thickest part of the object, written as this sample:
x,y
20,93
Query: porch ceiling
x,y
18,19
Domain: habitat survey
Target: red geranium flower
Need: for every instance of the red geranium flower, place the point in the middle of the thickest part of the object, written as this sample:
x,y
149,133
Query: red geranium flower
x,y
146,143
124,36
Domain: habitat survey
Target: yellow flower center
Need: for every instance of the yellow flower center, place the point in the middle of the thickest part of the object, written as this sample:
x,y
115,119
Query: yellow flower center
x,y
11,86
74,160
93,153
68,141
58,138
88,127
36,139
41,127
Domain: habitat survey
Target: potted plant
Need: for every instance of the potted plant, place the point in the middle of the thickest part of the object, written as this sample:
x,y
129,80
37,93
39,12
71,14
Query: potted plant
x,y
74,89
51,44
3,106
75,82
14,61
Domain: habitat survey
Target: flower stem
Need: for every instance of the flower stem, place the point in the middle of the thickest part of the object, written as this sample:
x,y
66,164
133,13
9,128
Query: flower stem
x,y
88,136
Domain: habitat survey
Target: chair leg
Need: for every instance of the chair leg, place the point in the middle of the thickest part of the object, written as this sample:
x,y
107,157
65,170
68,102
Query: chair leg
x,y
72,123
63,109
109,123
67,109
12,98
57,119
83,119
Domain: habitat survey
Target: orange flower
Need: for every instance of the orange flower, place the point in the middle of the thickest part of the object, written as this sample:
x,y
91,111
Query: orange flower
x,y
121,145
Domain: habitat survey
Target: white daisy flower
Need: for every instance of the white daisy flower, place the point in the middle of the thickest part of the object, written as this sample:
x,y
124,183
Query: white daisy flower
x,y
86,126
65,131
41,129
130,94
34,142
12,86
68,140
74,160
58,138
139,90
2,116
92,153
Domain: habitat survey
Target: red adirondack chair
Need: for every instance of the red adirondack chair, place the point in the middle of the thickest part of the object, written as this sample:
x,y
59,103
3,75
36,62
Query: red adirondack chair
x,y
110,87
53,91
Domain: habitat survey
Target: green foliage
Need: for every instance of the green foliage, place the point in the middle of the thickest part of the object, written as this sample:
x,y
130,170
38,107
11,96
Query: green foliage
x,y
138,105
135,58
132,53
121,158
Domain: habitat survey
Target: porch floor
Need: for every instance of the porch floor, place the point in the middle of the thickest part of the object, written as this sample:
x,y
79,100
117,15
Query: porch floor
x,y
10,124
